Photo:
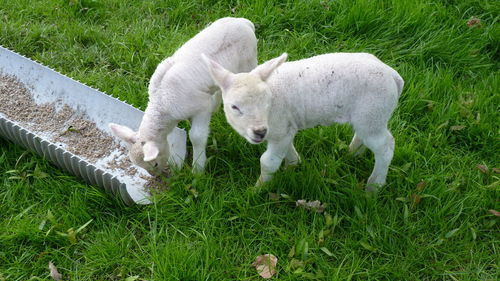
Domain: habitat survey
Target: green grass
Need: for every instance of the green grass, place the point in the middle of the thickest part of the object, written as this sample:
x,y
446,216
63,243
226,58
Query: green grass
x,y
440,231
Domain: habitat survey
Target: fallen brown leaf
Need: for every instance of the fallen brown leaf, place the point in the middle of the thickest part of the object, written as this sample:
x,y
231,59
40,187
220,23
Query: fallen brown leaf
x,y
496,170
274,196
266,265
54,273
415,198
325,5
311,205
474,22
421,186
494,212
482,168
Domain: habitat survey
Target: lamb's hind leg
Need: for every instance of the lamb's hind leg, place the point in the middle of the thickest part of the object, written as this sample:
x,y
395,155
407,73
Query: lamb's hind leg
x,y
292,158
356,146
198,136
382,145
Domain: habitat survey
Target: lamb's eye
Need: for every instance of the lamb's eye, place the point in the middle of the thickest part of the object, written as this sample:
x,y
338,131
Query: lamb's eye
x,y
236,109
156,165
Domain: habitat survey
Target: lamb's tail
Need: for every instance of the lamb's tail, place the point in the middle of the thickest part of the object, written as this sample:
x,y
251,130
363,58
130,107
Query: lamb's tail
x,y
250,24
159,73
399,82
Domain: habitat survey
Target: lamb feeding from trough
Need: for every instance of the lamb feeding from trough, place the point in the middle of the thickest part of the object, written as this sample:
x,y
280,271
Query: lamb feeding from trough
x,y
276,99
181,88
66,122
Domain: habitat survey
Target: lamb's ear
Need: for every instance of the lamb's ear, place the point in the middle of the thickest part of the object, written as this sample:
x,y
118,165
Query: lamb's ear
x,y
124,133
221,76
150,151
266,69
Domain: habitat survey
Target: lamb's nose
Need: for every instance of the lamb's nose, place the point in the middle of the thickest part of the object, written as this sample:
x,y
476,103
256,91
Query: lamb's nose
x,y
261,132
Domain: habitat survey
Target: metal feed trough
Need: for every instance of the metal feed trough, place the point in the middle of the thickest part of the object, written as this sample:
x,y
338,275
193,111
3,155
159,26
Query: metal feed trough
x,y
49,86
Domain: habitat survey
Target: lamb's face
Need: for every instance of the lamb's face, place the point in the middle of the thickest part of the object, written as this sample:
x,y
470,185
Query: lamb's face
x,y
247,97
156,167
246,105
145,154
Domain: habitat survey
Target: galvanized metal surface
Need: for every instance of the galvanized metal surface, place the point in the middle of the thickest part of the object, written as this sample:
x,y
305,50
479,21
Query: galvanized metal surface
x,y
50,86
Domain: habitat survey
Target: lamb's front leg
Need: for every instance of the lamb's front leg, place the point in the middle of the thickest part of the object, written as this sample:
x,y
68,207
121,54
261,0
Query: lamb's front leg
x,y
271,160
198,136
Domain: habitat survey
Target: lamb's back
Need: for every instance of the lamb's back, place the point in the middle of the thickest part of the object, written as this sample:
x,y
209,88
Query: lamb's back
x,y
329,73
326,88
224,38
229,41
181,83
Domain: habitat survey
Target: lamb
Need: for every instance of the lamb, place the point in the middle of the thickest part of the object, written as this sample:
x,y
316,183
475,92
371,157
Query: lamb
x,y
276,100
181,88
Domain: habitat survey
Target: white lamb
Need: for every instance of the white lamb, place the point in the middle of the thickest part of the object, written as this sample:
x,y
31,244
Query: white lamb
x,y
273,102
181,88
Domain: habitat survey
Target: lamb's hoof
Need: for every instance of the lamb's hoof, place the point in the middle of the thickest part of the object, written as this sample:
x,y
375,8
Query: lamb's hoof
x,y
255,189
292,164
197,170
356,152
259,185
260,182
373,187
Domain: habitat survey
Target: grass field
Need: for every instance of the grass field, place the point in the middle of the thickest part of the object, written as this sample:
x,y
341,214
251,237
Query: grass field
x,y
431,221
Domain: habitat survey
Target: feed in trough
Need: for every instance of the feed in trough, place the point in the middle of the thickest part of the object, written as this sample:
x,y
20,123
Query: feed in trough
x,y
68,128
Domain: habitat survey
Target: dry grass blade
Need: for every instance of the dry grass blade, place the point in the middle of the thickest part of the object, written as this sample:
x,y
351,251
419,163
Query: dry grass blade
x,y
482,168
494,212
457,128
